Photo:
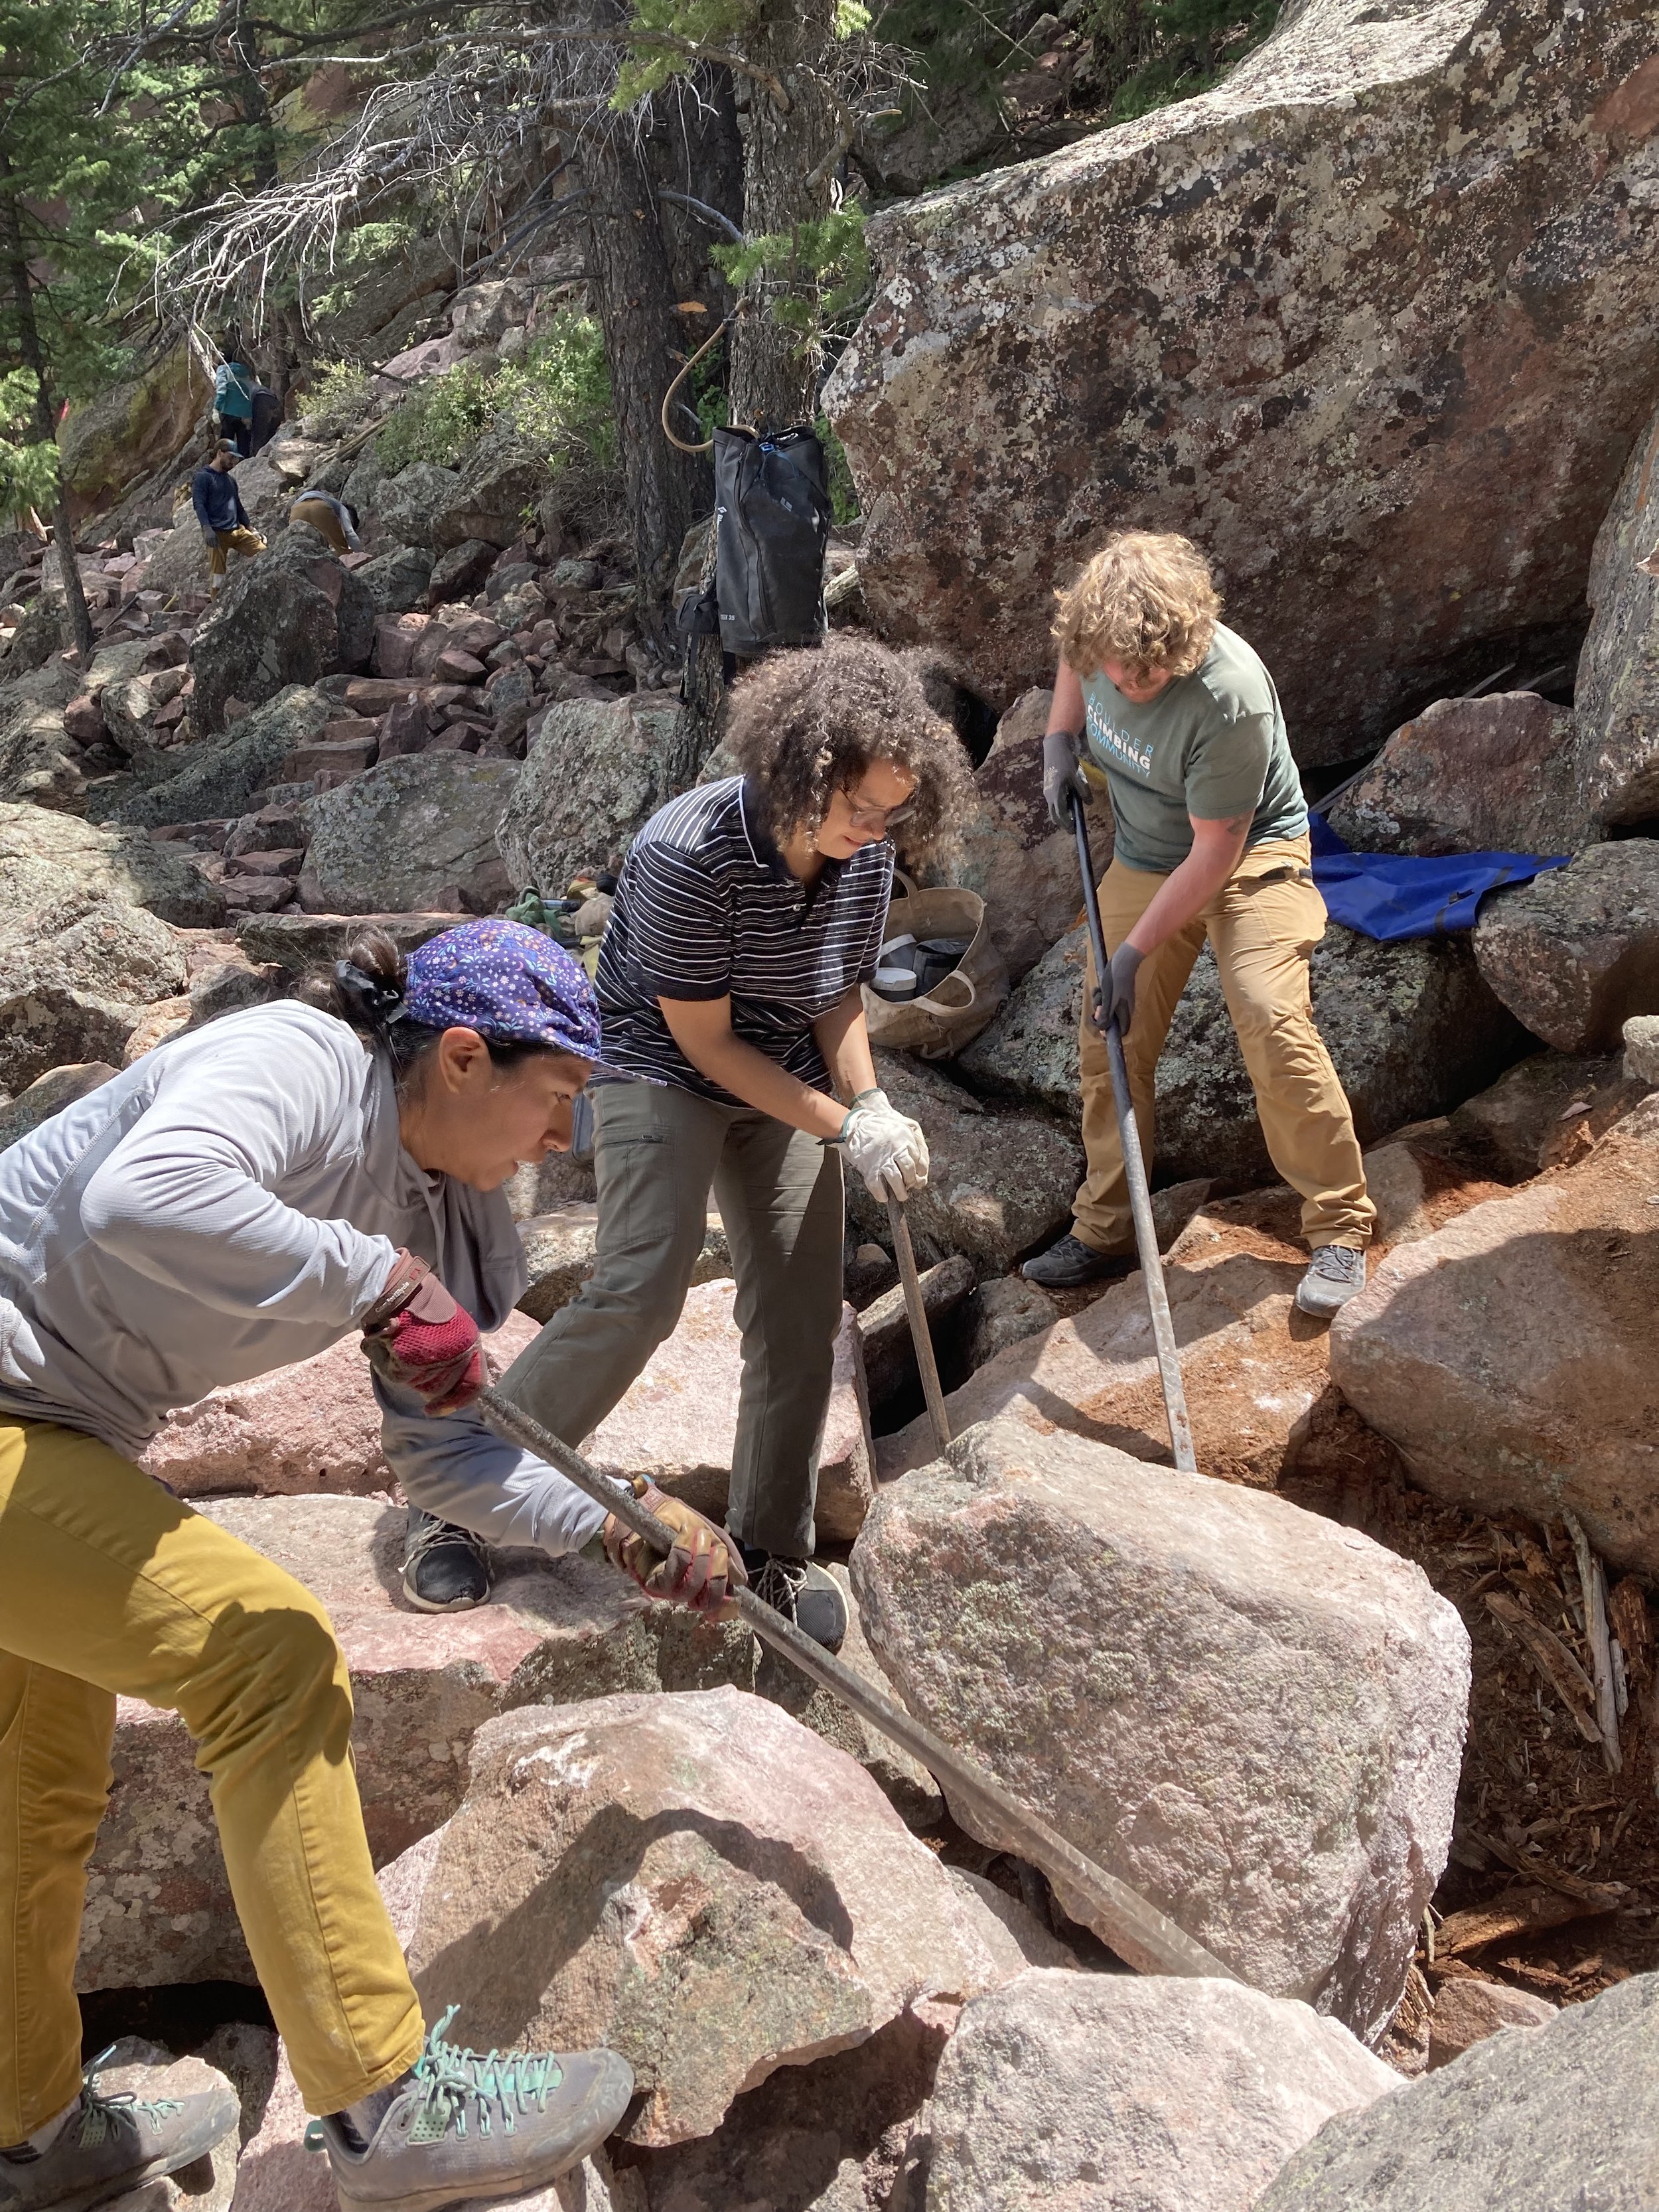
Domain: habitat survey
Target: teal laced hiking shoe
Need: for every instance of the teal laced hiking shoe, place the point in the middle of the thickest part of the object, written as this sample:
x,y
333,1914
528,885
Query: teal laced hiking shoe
x,y
467,2125
109,2145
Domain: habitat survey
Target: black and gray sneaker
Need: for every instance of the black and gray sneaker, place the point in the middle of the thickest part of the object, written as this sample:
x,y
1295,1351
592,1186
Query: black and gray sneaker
x,y
466,2124
109,2145
1069,1263
1336,1275
445,1569
802,1591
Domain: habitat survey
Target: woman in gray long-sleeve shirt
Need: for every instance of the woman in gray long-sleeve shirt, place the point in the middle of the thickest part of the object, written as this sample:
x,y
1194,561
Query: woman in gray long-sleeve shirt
x,y
240,1198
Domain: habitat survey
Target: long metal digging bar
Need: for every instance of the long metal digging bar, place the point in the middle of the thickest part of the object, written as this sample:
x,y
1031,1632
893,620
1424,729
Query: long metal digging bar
x,y
1134,1167
915,1308
1144,1937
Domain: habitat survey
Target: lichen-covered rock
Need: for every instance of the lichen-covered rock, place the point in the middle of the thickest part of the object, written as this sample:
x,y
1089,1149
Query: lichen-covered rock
x,y
409,503
222,777
503,477
292,615
1251,1715
1507,1355
595,773
417,832
75,977
133,428
678,1424
697,1881
48,1095
1496,774
1617,692
1566,2115
1376,305
158,1905
1410,1027
1009,850
397,581
883,1326
46,854
1575,953
37,764
1103,2093
1000,1181
1505,1130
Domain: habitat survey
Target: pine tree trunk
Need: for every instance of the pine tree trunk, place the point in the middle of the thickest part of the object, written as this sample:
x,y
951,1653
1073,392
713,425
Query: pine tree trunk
x,y
773,379
78,614
633,288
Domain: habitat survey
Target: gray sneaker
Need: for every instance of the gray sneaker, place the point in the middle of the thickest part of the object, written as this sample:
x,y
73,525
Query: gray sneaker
x,y
109,2145
445,1568
1336,1273
471,2125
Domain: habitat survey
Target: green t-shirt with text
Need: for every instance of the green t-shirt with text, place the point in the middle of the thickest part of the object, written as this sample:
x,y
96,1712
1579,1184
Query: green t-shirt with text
x,y
1211,746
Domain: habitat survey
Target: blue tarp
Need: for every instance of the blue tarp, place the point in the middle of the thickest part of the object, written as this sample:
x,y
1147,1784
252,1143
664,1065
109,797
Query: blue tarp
x,y
1394,895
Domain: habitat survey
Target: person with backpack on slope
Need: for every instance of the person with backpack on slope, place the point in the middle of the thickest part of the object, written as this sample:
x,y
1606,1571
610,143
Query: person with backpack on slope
x,y
1182,718
748,917
218,506
233,383
240,1198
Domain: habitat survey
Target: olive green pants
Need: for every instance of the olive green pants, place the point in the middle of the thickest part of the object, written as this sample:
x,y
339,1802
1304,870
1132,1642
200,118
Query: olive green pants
x,y
1263,923
659,1153
109,1588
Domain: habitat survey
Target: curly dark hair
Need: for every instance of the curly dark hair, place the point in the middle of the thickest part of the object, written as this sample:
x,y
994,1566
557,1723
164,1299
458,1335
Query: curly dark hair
x,y
805,724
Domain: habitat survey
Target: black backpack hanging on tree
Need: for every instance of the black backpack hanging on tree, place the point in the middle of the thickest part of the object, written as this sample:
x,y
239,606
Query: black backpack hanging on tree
x,y
772,520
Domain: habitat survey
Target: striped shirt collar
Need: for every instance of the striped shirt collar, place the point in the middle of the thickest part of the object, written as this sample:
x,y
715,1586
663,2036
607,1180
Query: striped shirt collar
x,y
765,853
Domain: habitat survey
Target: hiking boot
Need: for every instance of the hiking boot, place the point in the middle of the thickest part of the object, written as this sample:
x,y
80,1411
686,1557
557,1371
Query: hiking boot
x,y
1069,1262
464,2124
1336,1274
802,1591
445,1568
106,2145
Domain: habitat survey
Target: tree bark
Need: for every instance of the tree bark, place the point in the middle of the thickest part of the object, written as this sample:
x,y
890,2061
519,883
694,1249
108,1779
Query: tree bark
x,y
633,285
773,378
45,414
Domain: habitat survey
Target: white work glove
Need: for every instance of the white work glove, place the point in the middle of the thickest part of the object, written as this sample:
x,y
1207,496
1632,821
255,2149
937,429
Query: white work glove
x,y
887,1147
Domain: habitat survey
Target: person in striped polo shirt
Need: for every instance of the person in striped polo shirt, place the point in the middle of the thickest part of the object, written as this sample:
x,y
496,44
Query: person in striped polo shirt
x,y
749,913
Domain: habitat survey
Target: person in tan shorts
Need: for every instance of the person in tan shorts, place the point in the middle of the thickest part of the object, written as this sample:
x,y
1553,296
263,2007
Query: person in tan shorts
x,y
331,519
1180,717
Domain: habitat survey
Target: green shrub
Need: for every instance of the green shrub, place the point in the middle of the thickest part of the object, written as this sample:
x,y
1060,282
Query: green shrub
x,y
557,398
337,400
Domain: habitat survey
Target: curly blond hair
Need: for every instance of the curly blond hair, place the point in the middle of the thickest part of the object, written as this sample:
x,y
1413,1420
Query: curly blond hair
x,y
1148,599
804,725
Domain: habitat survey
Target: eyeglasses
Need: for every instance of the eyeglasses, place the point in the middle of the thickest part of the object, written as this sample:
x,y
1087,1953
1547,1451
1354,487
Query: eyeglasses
x,y
878,818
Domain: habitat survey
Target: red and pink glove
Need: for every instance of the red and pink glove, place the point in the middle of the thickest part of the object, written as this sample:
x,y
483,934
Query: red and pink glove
x,y
414,1333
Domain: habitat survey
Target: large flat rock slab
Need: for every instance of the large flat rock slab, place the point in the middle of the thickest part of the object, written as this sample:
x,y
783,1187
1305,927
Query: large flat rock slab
x,y
158,1905
1376,305
697,1881
1566,2115
1103,2093
1509,1357
1253,1715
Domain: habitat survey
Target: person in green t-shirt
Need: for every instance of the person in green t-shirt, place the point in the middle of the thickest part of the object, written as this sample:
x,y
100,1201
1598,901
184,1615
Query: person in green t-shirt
x,y
1179,717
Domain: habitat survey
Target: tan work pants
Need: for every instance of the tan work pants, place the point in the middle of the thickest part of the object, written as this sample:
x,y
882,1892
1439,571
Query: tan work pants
x,y
110,1587
1263,933
323,519
247,543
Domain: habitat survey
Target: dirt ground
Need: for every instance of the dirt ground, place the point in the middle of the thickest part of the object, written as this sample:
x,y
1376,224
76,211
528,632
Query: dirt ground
x,y
1560,1856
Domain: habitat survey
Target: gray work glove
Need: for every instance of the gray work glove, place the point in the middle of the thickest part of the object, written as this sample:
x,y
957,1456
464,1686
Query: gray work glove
x,y
1116,1003
210,539
1061,774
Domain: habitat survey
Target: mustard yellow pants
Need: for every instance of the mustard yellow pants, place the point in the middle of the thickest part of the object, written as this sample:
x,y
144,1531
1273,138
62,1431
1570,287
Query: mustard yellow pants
x,y
1263,932
110,1587
247,543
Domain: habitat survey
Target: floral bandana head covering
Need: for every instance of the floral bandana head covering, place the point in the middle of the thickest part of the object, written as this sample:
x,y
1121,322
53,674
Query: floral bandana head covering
x,y
506,982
